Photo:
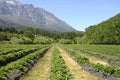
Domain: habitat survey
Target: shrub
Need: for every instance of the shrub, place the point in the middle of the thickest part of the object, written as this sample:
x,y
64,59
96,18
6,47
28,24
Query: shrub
x,y
66,41
15,40
42,40
27,40
22,40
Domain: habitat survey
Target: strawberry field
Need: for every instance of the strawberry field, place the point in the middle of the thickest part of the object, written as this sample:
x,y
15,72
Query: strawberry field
x,y
59,62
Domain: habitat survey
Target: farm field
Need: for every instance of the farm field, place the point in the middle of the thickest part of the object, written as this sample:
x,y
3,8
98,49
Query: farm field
x,y
36,44
59,62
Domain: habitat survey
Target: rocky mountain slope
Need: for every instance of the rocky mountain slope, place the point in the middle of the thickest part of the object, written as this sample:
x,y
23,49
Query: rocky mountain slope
x,y
27,15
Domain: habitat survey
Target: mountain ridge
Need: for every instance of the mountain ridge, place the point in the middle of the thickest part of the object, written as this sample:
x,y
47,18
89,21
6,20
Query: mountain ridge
x,y
28,15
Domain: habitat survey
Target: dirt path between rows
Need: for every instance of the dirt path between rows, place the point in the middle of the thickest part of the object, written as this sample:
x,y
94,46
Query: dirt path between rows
x,y
41,69
75,69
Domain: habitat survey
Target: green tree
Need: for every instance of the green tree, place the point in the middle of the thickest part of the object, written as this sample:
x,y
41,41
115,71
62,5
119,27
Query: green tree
x,y
107,32
42,40
66,41
29,34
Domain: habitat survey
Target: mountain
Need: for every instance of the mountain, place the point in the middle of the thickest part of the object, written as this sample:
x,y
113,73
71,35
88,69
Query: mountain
x,y
27,15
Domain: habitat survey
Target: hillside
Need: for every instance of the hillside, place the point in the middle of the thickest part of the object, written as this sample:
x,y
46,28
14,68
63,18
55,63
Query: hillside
x,y
106,32
26,15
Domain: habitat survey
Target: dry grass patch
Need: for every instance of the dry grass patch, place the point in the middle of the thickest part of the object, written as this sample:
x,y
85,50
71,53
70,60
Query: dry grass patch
x,y
75,69
94,60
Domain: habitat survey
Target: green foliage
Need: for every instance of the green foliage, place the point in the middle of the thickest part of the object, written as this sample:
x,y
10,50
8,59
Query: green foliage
x,y
27,40
5,36
59,70
77,40
109,53
4,59
16,40
107,32
10,30
22,63
66,41
71,35
58,35
22,40
107,71
81,40
7,33
29,34
42,40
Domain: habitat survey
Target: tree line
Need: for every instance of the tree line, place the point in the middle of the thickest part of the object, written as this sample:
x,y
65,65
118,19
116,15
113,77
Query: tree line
x,y
106,32
29,34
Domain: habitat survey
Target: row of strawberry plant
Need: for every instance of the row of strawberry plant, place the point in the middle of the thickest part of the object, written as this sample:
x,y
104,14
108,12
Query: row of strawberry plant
x,y
110,50
107,71
4,59
7,51
59,70
112,61
21,64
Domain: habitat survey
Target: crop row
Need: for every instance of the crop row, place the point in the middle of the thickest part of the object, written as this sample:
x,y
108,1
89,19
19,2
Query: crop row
x,y
106,71
7,51
59,70
114,61
22,65
4,59
110,50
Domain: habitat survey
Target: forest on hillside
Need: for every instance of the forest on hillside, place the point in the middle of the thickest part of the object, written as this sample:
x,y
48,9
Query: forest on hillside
x,y
106,32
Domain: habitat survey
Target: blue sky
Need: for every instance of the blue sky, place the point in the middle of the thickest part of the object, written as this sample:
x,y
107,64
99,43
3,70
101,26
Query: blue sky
x,y
79,13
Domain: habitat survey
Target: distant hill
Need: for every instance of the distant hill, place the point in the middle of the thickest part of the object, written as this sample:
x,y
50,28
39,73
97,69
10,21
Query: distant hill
x,y
16,14
106,32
